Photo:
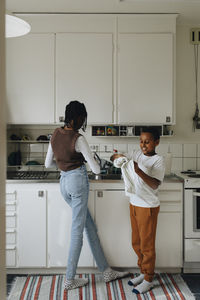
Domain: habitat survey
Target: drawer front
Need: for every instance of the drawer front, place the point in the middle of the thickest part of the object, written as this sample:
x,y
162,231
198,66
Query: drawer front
x,y
10,220
192,250
170,207
11,206
11,237
170,196
11,257
11,196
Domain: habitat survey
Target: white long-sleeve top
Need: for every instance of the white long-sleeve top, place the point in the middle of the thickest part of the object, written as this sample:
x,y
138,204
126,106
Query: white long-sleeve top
x,y
82,146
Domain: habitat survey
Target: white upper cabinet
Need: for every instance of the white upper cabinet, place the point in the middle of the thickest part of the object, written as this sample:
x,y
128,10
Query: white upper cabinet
x,y
146,69
145,78
30,79
84,72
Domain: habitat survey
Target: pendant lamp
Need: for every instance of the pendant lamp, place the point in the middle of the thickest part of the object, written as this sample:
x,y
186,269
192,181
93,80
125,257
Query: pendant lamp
x,y
15,26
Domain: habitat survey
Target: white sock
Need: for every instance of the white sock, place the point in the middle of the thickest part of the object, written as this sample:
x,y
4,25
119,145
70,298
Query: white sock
x,y
75,283
143,287
110,274
135,281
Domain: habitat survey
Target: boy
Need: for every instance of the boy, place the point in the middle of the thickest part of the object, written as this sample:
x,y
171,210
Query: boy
x,y
147,174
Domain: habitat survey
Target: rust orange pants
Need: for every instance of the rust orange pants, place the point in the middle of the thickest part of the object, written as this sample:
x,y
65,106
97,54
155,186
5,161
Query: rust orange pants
x,y
144,223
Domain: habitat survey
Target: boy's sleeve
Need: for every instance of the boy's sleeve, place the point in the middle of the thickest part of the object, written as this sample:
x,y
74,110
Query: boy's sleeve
x,y
158,169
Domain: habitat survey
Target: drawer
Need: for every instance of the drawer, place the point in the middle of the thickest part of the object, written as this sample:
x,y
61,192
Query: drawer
x,y
10,206
170,207
10,236
10,220
192,250
10,256
170,196
11,196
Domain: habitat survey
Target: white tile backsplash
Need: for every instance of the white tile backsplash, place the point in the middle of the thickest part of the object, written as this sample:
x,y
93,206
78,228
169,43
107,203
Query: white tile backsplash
x,y
121,148
177,164
176,150
132,147
106,148
162,149
189,150
189,163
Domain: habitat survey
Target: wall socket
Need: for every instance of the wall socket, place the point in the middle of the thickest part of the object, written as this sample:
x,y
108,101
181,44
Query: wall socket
x,y
94,147
195,36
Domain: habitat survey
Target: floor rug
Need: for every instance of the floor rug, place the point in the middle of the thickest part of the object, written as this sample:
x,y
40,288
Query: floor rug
x,y
166,286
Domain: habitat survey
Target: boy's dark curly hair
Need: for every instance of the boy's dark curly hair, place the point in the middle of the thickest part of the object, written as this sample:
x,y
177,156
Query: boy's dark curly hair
x,y
153,131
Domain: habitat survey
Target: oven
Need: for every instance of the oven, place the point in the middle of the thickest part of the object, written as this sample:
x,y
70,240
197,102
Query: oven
x,y
191,211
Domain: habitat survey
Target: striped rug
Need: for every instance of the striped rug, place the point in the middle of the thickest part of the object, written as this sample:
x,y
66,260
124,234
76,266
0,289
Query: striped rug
x,y
166,286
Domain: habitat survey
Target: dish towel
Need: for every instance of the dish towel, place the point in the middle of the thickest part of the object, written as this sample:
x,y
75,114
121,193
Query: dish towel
x,y
128,171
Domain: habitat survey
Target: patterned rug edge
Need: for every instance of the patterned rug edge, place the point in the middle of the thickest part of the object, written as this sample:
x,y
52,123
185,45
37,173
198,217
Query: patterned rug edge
x,y
168,286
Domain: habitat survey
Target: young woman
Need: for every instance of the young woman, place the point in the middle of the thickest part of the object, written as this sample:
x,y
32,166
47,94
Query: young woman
x,y
71,151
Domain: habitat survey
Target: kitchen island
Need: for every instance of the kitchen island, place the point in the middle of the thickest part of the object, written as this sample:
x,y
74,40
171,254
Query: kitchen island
x,y
38,223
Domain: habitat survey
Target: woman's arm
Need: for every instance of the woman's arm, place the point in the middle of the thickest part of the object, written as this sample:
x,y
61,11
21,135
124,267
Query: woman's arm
x,y
83,147
49,162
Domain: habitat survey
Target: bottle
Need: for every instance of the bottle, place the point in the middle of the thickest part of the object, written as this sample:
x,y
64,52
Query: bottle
x,y
168,162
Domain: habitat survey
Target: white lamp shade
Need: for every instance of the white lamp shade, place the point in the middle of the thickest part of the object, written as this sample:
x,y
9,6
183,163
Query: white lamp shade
x,y
16,26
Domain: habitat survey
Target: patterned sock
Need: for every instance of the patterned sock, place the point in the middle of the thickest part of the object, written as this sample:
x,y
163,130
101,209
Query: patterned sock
x,y
143,287
75,283
135,281
110,274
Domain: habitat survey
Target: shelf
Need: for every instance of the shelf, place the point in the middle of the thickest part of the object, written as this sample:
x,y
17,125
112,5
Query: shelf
x,y
28,142
128,130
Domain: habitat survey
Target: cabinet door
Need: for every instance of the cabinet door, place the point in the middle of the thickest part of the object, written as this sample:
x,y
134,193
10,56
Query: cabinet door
x,y
59,230
145,78
114,229
169,240
84,72
30,79
31,228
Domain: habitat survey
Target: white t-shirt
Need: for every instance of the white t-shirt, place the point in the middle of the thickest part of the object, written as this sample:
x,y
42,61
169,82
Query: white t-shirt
x,y
153,166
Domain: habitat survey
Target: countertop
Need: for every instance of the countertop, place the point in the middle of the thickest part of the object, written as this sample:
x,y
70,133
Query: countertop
x,y
168,179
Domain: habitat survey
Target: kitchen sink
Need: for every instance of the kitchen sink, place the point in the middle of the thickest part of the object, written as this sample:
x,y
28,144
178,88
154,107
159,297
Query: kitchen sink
x,y
105,177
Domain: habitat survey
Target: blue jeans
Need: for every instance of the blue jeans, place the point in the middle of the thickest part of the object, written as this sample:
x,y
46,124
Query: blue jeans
x,y
74,187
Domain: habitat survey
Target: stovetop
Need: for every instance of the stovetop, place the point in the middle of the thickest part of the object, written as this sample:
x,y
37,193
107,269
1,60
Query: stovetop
x,y
33,175
191,178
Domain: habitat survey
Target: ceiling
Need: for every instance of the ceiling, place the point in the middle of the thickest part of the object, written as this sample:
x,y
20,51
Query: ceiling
x,y
189,10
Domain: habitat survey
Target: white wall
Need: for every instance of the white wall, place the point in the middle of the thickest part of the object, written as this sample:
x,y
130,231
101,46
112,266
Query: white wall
x,y
185,87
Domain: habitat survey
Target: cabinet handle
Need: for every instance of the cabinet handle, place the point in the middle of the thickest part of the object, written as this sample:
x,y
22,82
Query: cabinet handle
x,y
61,119
100,194
40,193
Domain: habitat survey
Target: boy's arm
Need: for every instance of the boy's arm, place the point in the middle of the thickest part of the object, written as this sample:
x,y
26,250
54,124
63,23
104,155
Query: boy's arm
x,y
152,182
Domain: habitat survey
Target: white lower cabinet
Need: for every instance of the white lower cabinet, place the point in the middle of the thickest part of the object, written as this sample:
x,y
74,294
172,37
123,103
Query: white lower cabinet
x,y
113,223
115,230
38,226
59,230
31,227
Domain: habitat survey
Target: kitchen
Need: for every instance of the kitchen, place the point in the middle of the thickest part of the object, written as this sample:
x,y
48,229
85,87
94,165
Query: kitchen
x,y
183,143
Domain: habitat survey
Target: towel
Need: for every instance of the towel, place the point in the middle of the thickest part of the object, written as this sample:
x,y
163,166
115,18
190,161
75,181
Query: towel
x,y
128,171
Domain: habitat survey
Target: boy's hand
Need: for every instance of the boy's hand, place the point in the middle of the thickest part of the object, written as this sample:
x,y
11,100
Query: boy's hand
x,y
115,156
136,167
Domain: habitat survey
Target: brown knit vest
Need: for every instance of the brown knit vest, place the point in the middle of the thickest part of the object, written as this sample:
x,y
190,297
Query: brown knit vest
x,y
63,145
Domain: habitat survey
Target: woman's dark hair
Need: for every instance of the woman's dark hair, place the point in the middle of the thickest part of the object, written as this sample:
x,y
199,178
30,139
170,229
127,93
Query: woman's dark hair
x,y
76,111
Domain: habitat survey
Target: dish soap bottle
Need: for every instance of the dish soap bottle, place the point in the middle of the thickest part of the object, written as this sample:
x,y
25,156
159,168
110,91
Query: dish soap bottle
x,y
168,162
